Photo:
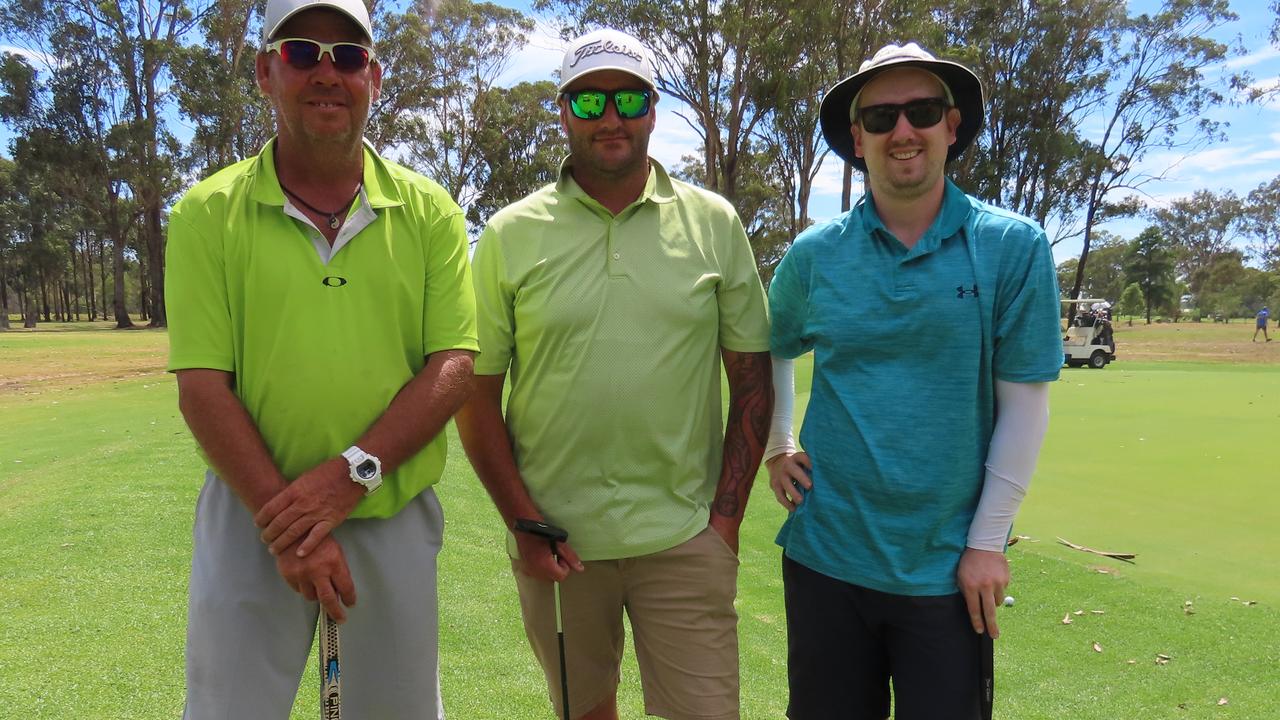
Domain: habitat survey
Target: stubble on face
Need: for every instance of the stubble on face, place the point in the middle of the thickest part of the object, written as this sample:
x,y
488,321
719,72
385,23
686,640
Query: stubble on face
x,y
610,148
321,108
907,162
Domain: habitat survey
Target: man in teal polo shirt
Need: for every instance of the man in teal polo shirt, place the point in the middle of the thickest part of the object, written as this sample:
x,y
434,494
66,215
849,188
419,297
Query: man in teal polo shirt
x,y
610,298
322,329
933,322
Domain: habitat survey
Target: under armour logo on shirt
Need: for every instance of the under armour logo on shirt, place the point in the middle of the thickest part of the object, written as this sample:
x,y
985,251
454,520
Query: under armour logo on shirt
x,y
961,292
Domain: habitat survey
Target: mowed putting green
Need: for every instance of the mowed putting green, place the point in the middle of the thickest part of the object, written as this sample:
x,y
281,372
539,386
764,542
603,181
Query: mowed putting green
x,y
1179,463
98,478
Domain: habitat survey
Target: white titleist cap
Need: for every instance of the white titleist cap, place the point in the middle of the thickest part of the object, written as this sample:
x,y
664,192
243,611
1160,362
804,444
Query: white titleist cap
x,y
279,11
606,50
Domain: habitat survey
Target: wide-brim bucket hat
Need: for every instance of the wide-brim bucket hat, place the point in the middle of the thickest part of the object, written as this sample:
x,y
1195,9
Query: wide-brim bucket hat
x,y
964,85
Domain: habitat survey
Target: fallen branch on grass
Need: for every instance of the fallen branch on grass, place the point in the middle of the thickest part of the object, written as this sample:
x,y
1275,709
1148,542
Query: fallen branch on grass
x,y
1127,557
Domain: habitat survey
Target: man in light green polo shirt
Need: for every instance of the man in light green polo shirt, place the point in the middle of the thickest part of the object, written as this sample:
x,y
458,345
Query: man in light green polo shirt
x,y
610,298
322,330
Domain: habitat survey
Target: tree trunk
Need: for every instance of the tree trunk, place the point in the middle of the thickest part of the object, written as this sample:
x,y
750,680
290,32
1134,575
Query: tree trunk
x,y
144,306
1090,213
846,188
29,316
117,270
44,296
4,295
155,266
102,274
67,299
91,297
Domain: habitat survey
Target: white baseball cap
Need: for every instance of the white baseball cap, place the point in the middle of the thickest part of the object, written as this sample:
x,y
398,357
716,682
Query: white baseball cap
x,y
606,50
279,11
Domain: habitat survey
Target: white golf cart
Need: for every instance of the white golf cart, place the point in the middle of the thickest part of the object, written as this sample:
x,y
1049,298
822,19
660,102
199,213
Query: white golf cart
x,y
1089,339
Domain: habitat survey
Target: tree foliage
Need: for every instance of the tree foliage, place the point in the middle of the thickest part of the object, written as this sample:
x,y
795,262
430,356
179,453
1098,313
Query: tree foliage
x,y
1149,263
1131,302
1043,66
1202,228
1157,68
1262,222
443,62
1081,97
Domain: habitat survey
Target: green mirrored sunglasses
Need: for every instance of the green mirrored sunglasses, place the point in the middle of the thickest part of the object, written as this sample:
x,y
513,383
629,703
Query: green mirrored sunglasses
x,y
590,104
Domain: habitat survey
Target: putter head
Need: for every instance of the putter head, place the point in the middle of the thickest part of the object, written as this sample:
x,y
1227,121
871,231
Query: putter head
x,y
551,533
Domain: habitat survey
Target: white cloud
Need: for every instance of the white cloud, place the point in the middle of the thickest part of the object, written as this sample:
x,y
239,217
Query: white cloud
x,y
39,59
672,138
1258,56
538,60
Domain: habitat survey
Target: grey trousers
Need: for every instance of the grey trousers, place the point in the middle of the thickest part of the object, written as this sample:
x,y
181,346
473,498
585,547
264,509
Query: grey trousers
x,y
249,635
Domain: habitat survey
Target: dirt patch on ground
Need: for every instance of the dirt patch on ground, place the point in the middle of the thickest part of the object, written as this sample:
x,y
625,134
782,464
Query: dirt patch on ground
x,y
34,361
1194,342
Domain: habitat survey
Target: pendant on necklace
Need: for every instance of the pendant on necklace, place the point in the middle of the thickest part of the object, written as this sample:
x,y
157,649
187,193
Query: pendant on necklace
x,y
334,222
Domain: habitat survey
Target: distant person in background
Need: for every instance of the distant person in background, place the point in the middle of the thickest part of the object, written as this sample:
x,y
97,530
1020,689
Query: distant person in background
x,y
1263,314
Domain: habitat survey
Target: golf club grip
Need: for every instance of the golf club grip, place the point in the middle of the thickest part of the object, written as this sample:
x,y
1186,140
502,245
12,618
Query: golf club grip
x,y
987,654
543,530
330,669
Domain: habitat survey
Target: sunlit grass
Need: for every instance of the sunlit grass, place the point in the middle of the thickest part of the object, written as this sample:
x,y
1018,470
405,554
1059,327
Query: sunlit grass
x,y
98,479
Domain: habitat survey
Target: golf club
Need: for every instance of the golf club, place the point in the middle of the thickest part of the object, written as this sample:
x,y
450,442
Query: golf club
x,y
553,535
330,669
988,676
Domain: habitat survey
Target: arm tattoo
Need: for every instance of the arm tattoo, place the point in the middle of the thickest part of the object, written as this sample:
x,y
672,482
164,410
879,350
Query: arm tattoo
x,y
750,406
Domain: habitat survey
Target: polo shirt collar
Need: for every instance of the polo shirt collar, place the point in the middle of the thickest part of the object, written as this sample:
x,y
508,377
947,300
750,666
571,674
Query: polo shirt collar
x,y
657,188
951,218
379,189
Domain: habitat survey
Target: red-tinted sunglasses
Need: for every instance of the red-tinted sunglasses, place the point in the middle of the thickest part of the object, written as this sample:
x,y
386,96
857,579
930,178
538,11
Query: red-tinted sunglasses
x,y
305,54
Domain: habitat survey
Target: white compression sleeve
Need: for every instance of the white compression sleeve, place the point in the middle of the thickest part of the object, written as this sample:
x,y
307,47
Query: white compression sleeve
x,y
784,406
1022,417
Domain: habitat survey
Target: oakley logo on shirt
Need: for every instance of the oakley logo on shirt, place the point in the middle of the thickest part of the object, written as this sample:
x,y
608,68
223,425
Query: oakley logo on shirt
x,y
333,281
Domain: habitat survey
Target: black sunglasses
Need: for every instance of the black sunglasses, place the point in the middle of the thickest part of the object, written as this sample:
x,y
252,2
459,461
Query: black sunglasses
x,y
878,119
590,104
304,54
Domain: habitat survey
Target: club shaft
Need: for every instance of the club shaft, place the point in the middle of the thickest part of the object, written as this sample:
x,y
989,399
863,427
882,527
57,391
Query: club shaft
x,y
564,675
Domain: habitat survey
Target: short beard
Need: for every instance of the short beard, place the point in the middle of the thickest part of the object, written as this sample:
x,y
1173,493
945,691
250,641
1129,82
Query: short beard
x,y
583,158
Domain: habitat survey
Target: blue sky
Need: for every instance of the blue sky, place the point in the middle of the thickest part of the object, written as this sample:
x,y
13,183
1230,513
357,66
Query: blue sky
x,y
1249,157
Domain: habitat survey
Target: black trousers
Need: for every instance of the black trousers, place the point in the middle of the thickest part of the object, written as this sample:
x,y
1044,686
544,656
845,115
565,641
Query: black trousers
x,y
847,644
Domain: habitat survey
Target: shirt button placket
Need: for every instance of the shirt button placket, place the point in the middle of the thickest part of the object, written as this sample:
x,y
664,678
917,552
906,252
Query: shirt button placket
x,y
615,256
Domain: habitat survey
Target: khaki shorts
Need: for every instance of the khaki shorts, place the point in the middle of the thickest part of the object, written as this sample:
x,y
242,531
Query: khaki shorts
x,y
680,604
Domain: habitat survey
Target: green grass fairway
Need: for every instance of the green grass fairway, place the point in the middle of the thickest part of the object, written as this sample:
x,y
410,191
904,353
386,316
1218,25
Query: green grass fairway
x,y
1171,460
1175,462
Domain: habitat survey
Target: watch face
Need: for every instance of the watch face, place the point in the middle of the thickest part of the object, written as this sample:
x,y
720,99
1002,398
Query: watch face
x,y
367,470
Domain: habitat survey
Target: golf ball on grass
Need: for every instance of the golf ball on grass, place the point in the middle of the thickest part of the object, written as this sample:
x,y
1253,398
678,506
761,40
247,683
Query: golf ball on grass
x,y
1008,601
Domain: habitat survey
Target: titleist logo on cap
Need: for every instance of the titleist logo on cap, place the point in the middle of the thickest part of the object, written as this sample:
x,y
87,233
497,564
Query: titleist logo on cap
x,y
604,46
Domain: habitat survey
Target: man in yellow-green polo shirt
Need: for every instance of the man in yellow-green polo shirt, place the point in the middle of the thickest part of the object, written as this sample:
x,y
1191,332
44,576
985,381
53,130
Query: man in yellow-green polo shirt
x,y
610,298
322,329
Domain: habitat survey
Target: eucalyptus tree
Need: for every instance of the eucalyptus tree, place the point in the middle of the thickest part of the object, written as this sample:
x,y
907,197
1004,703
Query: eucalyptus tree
x,y
442,61
1262,223
1157,98
1042,67
1201,228
520,147
216,88
708,55
815,45
137,41
7,212
66,135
